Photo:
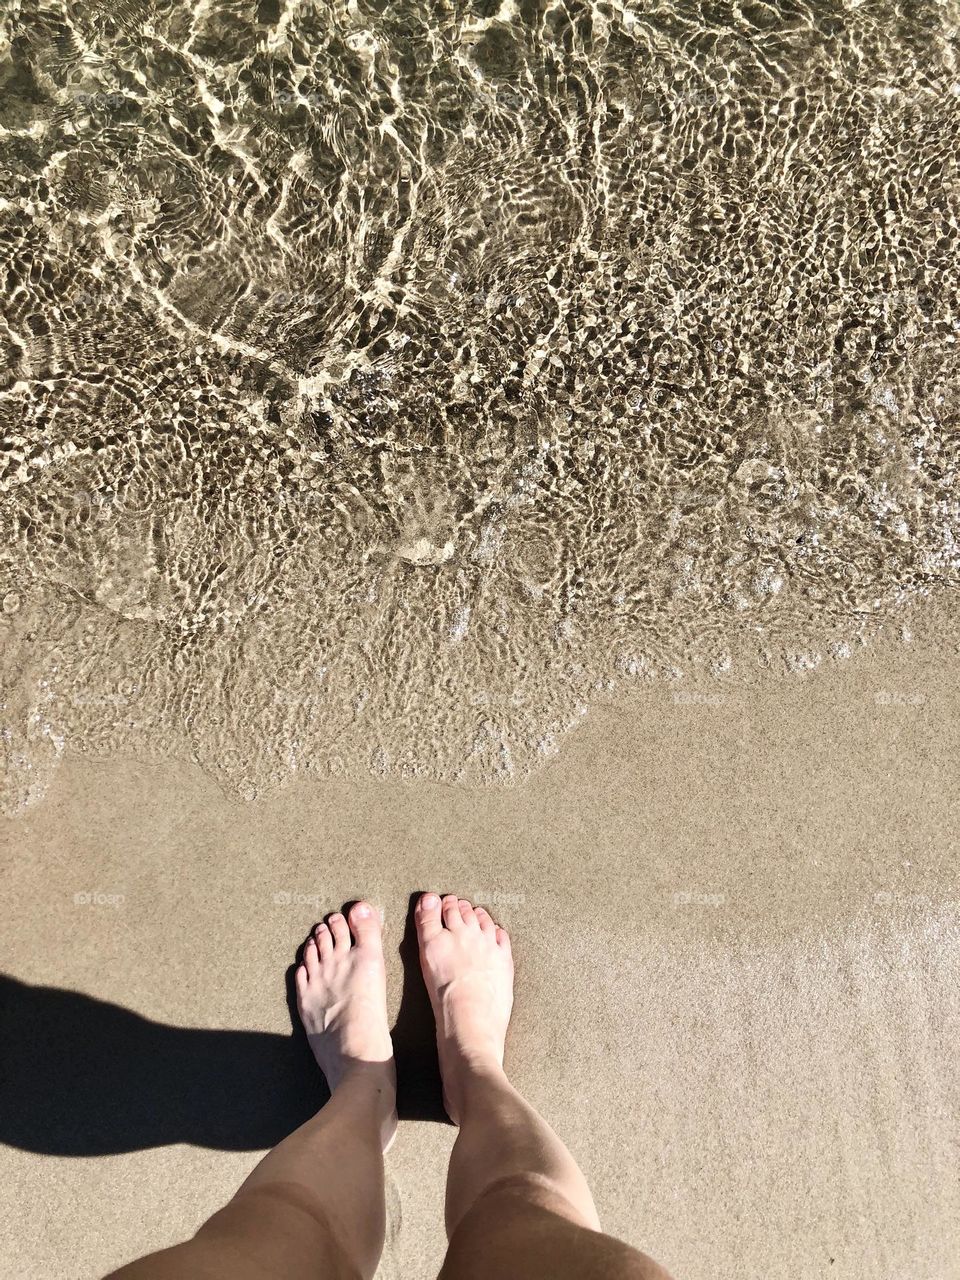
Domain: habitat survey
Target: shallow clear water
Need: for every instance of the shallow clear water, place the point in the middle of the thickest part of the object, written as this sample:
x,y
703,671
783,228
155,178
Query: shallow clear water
x,y
385,383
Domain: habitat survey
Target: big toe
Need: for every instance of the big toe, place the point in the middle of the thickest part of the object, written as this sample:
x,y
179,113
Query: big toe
x,y
428,918
365,925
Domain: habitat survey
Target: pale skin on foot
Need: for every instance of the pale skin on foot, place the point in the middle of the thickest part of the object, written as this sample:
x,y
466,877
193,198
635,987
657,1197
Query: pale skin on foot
x,y
517,1205
342,999
467,965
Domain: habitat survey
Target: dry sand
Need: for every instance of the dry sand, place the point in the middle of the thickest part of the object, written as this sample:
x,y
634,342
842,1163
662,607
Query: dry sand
x,y
737,934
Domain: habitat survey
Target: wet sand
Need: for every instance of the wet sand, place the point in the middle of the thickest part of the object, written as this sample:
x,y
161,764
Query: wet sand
x,y
736,924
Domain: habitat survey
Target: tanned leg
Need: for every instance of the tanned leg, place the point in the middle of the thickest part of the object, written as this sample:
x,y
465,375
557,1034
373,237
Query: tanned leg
x,y
517,1204
313,1208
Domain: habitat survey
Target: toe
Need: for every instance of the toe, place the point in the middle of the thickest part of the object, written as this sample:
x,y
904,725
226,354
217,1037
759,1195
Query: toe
x,y
365,924
302,980
485,921
339,929
311,961
467,914
503,938
450,910
429,923
324,941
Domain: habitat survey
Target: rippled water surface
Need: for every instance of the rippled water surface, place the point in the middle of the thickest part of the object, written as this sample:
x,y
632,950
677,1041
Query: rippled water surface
x,y
386,382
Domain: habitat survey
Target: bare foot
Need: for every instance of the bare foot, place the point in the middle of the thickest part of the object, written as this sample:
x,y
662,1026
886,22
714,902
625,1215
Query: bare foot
x,y
468,968
342,998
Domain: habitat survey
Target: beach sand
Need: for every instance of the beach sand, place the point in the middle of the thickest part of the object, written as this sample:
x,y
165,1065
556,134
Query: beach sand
x,y
736,928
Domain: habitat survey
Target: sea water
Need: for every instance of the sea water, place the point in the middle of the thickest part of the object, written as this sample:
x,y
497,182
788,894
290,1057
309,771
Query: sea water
x,y
385,383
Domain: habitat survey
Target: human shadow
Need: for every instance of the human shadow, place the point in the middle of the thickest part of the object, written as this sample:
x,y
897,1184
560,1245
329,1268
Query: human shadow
x,y
85,1077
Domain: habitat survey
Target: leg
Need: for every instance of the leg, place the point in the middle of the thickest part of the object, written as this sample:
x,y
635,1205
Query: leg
x,y
517,1205
313,1208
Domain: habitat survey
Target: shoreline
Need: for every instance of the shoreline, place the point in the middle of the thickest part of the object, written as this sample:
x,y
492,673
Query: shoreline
x,y
736,932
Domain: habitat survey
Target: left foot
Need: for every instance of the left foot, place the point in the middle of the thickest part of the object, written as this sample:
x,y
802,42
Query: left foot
x,y
342,998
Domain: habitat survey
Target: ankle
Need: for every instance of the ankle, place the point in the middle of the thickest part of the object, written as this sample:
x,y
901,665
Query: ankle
x,y
376,1078
473,1080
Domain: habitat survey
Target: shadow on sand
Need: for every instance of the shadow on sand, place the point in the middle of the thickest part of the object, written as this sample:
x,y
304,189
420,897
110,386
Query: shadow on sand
x,y
82,1077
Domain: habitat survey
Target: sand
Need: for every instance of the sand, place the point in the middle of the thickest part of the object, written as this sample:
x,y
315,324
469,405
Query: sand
x,y
736,924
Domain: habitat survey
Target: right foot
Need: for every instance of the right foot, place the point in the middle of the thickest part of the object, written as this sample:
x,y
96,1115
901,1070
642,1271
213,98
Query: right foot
x,y
468,968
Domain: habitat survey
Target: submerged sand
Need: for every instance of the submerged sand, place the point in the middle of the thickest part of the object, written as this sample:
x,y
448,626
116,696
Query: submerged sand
x,y
736,922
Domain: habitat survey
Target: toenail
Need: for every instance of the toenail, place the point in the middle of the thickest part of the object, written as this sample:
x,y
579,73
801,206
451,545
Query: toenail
x,y
430,900
362,910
